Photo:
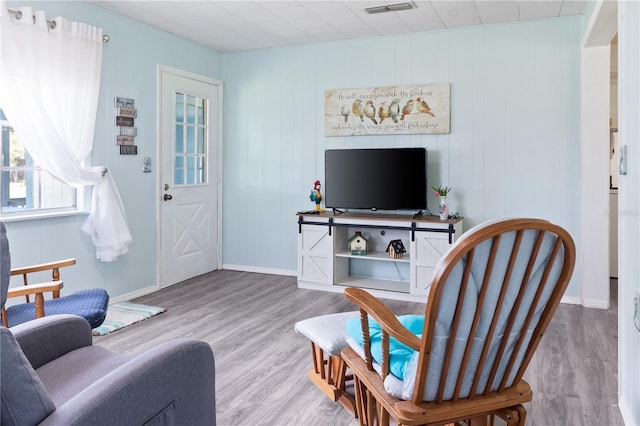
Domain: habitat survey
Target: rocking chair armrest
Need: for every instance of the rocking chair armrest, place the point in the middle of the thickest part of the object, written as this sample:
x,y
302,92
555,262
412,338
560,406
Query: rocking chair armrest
x,y
53,286
43,267
383,315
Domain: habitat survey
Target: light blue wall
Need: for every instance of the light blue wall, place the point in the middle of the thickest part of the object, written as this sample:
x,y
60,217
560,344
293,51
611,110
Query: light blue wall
x,y
513,149
129,68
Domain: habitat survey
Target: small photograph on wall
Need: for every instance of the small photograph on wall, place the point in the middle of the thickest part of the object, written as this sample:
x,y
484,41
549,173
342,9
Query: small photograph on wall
x,y
420,109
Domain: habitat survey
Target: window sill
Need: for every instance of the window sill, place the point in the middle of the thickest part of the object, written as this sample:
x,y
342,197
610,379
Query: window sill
x,y
40,215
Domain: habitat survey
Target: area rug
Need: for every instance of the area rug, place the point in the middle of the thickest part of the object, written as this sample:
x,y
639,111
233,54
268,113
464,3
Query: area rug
x,y
123,314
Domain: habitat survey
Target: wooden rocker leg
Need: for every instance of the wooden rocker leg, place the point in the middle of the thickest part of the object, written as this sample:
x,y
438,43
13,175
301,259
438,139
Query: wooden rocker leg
x,y
513,415
330,376
369,412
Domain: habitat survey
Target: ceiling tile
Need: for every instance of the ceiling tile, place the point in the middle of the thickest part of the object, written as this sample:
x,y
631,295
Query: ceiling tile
x,y
572,7
536,9
422,18
455,14
240,25
497,11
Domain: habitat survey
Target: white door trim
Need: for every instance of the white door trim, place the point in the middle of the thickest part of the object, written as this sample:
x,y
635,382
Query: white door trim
x,y
158,193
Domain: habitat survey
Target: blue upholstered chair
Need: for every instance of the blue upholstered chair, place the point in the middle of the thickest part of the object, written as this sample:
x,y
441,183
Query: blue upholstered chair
x,y
90,304
491,299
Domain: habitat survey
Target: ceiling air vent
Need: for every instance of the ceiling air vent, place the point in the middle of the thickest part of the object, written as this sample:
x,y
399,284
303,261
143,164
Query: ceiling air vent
x,y
390,7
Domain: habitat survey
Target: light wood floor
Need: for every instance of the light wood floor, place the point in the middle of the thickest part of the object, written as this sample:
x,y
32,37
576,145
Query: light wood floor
x,y
261,362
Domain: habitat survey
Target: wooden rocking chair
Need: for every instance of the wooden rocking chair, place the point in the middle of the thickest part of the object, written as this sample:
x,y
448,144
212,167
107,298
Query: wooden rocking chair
x,y
491,300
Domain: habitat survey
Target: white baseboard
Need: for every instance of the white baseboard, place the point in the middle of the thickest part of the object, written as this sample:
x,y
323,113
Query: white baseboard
x,y
259,270
597,304
133,295
571,300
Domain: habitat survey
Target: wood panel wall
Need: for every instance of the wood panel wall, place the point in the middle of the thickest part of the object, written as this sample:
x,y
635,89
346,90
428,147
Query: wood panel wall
x,y
515,124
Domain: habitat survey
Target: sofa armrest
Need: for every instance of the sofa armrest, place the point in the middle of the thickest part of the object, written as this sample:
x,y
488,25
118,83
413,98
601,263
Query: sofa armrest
x,y
45,339
173,383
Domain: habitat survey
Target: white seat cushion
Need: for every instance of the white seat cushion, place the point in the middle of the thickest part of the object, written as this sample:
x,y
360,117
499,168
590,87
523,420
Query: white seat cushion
x,y
327,331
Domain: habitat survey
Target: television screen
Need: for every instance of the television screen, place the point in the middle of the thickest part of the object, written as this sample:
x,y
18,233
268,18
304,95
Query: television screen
x,y
376,179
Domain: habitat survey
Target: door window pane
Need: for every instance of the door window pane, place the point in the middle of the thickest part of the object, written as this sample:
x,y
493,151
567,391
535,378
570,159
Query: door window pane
x,y
179,138
179,108
178,170
190,156
191,109
201,139
201,111
191,140
191,170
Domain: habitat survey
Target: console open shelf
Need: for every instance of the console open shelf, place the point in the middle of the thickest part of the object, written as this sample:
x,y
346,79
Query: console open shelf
x,y
325,263
375,256
374,284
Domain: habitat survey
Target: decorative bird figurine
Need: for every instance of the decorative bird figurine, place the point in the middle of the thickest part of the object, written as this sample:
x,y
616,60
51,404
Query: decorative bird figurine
x,y
383,112
358,109
394,110
423,107
345,112
408,108
316,196
370,111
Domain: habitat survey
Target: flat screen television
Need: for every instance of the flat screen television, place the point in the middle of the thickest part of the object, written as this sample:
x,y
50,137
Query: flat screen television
x,y
376,179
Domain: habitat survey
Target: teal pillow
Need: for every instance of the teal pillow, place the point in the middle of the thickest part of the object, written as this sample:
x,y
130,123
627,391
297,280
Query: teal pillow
x,y
25,401
399,353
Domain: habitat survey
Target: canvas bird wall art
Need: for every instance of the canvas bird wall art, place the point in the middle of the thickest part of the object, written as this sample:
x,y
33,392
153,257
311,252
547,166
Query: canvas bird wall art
x,y
392,110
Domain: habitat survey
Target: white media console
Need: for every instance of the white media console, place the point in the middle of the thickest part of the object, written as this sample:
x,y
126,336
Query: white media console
x,y
325,263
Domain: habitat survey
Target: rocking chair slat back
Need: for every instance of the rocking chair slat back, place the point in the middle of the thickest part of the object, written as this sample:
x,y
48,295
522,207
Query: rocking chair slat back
x,y
491,299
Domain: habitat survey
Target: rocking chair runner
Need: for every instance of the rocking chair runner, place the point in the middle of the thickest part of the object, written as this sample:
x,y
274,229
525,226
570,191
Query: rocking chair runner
x,y
491,300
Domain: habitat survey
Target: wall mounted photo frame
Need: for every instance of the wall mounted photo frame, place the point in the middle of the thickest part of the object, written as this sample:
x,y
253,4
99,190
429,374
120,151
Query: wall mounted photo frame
x,y
419,109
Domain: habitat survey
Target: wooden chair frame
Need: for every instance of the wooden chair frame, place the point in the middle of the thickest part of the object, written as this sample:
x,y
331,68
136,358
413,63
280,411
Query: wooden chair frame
x,y
373,402
330,375
39,289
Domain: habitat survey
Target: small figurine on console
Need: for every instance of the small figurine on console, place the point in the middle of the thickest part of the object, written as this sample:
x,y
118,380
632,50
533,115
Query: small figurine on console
x,y
316,196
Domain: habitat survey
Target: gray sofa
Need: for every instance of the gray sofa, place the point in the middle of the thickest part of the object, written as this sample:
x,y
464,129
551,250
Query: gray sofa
x,y
52,374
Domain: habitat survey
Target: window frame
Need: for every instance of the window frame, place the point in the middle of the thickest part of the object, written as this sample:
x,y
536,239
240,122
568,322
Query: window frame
x,y
81,193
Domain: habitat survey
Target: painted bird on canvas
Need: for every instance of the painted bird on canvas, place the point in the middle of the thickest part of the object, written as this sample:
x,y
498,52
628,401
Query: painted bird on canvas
x,y
383,112
316,196
345,112
408,108
370,112
423,107
394,110
358,109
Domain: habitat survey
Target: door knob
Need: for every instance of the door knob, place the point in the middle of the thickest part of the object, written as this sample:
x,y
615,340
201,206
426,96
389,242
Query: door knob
x,y
167,197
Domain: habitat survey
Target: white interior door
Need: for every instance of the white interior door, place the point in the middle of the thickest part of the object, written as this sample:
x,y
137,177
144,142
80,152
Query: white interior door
x,y
189,177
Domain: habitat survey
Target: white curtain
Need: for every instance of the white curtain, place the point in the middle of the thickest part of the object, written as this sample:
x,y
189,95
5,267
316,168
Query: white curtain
x,y
49,85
